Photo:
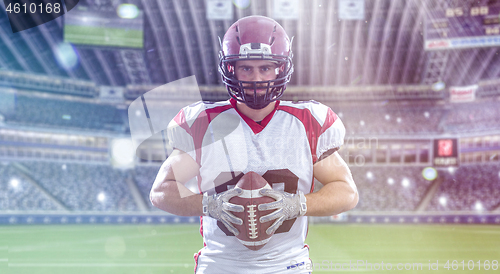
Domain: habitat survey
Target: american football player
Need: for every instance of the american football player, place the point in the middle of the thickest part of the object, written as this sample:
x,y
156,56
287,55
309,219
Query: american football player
x,y
289,144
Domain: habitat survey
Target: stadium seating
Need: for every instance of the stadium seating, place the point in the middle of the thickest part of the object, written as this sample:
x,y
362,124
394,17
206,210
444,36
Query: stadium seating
x,y
399,119
51,113
468,188
84,187
395,188
472,117
144,177
381,189
20,195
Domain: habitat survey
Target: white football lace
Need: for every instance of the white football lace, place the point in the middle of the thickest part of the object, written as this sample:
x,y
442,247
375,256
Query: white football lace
x,y
252,222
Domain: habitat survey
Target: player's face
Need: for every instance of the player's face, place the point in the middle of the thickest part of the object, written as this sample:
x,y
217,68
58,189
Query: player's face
x,y
255,71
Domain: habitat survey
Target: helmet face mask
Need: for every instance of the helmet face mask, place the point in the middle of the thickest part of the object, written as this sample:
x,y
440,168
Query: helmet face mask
x,y
256,38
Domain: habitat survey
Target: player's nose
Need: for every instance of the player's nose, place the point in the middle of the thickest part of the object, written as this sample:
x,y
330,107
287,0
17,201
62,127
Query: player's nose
x,y
256,76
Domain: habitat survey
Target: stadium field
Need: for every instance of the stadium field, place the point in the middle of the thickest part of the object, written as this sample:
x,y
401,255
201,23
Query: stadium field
x,y
169,248
103,36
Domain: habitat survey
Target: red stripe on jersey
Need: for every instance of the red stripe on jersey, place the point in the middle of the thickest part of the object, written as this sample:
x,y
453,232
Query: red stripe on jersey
x,y
199,126
256,127
201,226
196,256
180,119
331,117
312,126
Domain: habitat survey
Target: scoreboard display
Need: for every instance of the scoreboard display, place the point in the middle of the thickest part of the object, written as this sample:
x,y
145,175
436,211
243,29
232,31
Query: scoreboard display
x,y
445,152
459,25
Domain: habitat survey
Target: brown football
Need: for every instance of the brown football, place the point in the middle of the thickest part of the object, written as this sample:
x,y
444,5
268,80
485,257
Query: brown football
x,y
252,232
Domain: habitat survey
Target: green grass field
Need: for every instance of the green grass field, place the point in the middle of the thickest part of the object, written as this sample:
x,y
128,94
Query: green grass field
x,y
99,36
169,248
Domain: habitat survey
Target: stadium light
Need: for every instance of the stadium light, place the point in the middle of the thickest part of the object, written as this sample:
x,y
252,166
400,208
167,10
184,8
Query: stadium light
x,y
65,55
478,206
122,153
101,197
127,11
438,86
242,4
442,201
405,182
429,173
14,182
369,175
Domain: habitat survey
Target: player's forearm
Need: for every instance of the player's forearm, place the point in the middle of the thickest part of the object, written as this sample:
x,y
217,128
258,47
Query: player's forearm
x,y
175,198
331,199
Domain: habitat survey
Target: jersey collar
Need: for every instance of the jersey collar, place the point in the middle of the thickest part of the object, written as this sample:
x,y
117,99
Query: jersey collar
x,y
256,127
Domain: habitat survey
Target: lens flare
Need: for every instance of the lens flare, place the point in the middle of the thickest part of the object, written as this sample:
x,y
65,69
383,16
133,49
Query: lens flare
x,y
127,11
66,55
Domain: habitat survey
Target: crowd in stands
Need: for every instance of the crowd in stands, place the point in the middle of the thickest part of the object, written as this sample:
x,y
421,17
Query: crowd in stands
x,y
18,194
391,188
144,177
361,118
84,187
393,121
91,187
468,188
403,119
472,118
45,112
47,83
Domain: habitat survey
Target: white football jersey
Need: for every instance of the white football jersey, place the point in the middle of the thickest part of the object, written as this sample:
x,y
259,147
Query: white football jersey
x,y
282,148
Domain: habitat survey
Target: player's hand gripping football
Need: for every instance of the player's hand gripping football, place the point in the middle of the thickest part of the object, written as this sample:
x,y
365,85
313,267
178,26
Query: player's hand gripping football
x,y
218,207
287,205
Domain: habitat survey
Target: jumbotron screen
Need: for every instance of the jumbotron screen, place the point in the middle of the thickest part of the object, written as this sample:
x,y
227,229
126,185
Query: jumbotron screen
x,y
462,25
122,27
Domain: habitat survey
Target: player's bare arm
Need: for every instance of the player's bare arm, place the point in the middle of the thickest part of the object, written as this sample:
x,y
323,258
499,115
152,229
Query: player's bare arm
x,y
169,192
338,194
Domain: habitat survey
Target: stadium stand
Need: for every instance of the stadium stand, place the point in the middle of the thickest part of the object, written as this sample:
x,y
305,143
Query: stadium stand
x,y
397,188
45,112
50,84
402,119
84,187
19,194
144,177
101,188
468,188
472,117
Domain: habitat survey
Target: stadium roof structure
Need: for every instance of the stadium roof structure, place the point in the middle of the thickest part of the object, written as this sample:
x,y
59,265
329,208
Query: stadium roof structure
x,y
385,48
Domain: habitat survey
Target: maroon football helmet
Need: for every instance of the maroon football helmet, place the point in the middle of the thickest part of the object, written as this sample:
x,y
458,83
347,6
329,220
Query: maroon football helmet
x,y
256,38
